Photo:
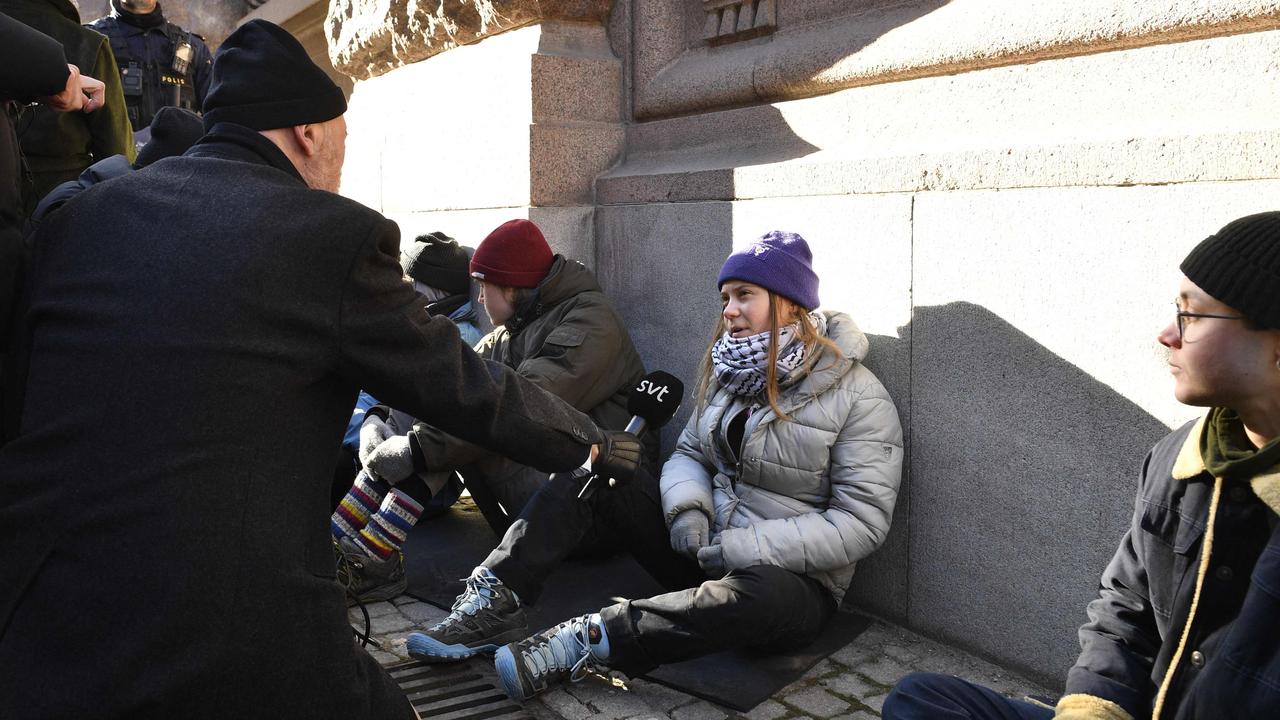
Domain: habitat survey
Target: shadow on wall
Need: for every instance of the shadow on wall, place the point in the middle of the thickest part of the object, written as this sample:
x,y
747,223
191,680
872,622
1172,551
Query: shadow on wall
x,y
1023,474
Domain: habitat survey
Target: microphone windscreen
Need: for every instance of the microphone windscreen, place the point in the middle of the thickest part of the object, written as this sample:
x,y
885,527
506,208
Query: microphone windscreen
x,y
656,398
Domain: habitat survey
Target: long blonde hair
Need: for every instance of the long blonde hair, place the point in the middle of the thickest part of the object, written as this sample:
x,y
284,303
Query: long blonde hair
x,y
808,334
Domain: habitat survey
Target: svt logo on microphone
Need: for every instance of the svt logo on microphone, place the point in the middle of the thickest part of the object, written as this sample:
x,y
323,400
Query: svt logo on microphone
x,y
653,389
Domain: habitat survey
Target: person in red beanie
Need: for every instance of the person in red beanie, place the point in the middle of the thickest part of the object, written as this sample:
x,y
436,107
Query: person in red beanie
x,y
554,326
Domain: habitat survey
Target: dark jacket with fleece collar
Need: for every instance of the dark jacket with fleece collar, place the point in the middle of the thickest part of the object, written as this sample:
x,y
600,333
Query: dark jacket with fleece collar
x,y
1172,558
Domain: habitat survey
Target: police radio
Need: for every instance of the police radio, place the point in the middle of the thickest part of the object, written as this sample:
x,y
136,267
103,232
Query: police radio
x,y
182,56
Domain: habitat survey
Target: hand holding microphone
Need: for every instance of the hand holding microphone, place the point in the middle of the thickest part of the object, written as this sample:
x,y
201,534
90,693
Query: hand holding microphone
x,y
651,403
619,456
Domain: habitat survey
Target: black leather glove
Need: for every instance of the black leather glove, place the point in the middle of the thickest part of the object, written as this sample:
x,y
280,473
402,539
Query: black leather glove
x,y
619,456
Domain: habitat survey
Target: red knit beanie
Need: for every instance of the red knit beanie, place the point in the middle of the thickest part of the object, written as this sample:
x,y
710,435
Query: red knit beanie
x,y
514,255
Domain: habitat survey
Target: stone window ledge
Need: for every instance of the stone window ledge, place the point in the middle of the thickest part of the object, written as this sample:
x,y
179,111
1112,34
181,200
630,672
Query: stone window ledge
x,y
927,38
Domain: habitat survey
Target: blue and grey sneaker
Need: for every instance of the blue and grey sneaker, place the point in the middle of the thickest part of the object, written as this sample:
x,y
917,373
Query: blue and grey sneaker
x,y
560,653
484,617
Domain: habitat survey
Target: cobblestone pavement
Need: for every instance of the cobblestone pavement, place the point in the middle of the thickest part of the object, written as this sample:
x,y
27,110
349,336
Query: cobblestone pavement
x,y
850,684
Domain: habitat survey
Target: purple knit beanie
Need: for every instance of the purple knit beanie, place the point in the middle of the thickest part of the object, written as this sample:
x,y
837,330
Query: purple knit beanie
x,y
778,261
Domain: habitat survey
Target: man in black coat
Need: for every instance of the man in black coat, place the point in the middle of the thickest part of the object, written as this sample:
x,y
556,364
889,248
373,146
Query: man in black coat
x,y
166,549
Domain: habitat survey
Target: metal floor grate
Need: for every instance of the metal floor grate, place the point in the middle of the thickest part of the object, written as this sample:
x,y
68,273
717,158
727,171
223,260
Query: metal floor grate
x,y
455,691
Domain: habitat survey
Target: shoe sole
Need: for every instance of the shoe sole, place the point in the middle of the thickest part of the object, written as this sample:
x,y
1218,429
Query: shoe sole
x,y
428,649
509,674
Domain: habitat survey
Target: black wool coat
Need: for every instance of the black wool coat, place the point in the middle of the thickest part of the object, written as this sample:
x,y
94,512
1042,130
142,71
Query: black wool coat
x,y
198,332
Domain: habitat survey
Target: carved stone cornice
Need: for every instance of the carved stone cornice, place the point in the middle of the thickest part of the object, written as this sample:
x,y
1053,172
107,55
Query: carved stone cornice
x,y
370,37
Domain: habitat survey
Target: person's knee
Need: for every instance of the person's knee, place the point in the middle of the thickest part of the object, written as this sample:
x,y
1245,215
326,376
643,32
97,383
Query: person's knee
x,y
758,594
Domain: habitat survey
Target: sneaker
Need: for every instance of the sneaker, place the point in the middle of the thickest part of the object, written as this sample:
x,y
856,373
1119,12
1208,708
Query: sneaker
x,y
485,616
534,664
366,578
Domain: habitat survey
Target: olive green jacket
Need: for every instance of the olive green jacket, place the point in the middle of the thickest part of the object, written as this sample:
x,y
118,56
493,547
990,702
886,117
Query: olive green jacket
x,y
58,146
567,339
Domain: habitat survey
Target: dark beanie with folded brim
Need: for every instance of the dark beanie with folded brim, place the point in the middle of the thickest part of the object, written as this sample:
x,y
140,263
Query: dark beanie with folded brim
x,y
1240,266
173,131
437,260
263,79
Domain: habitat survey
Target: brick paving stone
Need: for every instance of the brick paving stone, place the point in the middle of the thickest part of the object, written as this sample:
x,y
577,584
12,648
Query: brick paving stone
x,y
822,669
423,614
851,685
818,702
795,687
593,691
377,609
768,710
699,710
859,715
565,705
876,702
943,660
383,657
616,702
851,655
902,652
877,635
884,670
389,623
658,696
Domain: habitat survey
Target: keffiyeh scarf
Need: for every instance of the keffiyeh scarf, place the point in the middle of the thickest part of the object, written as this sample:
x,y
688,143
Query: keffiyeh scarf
x,y
739,363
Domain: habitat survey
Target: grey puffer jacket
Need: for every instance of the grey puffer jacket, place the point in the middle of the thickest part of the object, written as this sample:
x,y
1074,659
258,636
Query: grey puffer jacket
x,y
813,495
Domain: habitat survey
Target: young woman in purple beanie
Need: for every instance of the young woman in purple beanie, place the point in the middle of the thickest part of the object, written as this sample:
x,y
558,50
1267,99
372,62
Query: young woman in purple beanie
x,y
784,478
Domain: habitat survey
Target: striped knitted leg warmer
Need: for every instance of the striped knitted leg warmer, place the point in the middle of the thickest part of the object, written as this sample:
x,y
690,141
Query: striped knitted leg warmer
x,y
358,505
386,531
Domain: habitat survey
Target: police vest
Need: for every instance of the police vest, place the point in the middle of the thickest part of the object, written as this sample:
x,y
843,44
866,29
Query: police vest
x,y
152,83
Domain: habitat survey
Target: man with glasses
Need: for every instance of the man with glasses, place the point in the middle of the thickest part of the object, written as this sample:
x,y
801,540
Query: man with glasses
x,y
1187,619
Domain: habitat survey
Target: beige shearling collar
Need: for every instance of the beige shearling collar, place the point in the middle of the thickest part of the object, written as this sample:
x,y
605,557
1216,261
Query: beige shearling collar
x,y
1189,464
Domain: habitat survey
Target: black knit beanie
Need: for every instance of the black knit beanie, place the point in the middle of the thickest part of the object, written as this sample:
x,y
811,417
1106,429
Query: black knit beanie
x,y
1240,266
173,130
263,79
437,260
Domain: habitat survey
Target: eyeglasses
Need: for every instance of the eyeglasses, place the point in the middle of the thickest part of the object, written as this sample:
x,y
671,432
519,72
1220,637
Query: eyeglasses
x,y
1182,316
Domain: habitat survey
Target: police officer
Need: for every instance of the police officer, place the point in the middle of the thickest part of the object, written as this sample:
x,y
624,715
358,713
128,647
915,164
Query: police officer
x,y
160,63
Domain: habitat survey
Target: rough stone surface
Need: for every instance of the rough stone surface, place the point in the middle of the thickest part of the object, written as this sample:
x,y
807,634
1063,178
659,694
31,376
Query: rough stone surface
x,y
768,710
883,671
370,37
1168,113
891,42
422,614
699,710
659,697
817,702
832,689
1005,553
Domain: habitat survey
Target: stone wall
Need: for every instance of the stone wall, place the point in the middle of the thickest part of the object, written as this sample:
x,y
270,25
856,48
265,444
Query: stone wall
x,y
212,19
999,192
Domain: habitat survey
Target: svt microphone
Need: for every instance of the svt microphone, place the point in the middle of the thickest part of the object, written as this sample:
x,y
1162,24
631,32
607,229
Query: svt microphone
x,y
654,401
651,403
